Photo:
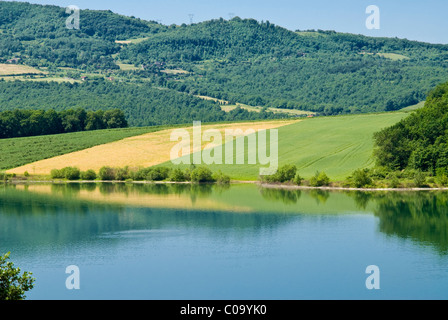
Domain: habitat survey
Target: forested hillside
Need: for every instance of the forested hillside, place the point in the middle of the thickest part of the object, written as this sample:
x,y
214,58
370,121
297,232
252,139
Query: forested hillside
x,y
142,104
419,141
238,61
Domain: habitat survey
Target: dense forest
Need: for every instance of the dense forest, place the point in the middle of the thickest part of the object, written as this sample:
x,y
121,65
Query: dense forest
x,y
27,123
419,141
261,64
239,60
141,104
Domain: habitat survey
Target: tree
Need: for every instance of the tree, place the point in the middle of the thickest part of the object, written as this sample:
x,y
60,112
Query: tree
x,y
13,286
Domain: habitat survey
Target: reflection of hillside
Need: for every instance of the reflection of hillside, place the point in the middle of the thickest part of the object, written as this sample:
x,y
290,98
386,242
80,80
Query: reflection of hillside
x,y
72,212
420,216
47,219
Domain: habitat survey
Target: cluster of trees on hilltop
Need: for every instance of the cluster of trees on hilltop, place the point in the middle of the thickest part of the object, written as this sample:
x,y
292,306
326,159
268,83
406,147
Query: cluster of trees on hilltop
x,y
142,104
39,34
419,141
26,123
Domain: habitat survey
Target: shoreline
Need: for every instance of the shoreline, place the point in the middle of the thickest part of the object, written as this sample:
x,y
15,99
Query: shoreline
x,y
233,182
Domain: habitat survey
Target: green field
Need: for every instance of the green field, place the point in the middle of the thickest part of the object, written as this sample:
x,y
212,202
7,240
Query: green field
x,y
337,145
414,107
20,151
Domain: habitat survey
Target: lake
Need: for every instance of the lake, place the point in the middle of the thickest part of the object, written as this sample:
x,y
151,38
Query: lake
x,y
184,242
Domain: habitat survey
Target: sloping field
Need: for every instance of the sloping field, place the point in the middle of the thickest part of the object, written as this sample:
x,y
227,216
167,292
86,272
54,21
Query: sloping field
x,y
17,69
336,145
16,152
138,151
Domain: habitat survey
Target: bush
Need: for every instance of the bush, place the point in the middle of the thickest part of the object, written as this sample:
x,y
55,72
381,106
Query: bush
x,y
298,180
202,174
140,174
320,179
88,175
221,178
283,174
71,173
57,174
394,182
442,176
122,174
107,174
177,176
158,174
419,179
361,178
187,174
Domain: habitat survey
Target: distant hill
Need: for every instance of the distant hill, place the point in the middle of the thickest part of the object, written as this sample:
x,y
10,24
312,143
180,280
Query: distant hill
x,y
239,61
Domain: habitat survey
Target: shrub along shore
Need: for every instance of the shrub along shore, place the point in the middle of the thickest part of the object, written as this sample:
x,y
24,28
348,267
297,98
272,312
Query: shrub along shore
x,y
286,177
152,174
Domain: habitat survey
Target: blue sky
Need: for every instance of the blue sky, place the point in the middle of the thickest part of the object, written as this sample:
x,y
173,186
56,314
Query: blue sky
x,y
415,20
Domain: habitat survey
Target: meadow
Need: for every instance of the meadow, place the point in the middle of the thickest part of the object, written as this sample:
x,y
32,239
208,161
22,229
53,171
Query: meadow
x,y
336,145
137,147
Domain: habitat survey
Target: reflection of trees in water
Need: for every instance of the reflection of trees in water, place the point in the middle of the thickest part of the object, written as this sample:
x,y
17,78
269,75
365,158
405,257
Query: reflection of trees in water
x,y
285,196
29,217
321,196
420,216
361,198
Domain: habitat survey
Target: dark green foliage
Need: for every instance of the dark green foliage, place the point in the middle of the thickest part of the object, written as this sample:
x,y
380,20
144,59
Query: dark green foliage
x,y
298,180
241,60
393,180
221,178
320,179
419,179
40,34
202,174
71,173
88,175
122,174
13,285
420,140
57,174
261,64
143,106
107,174
286,173
140,174
27,123
361,178
177,175
158,174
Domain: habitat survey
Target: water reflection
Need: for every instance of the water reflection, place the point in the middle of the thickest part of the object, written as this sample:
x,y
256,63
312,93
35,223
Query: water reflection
x,y
70,212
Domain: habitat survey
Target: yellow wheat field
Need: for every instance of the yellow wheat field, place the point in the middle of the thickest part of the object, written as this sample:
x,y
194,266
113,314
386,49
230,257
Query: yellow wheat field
x,y
141,151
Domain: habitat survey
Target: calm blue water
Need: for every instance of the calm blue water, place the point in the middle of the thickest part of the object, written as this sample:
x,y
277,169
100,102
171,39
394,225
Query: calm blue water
x,y
280,245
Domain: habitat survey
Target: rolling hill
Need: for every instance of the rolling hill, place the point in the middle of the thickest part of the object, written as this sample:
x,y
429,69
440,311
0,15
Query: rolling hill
x,y
337,145
241,61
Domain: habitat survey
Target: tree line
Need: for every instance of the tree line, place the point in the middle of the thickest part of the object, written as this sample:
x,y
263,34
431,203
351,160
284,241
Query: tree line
x,y
27,123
